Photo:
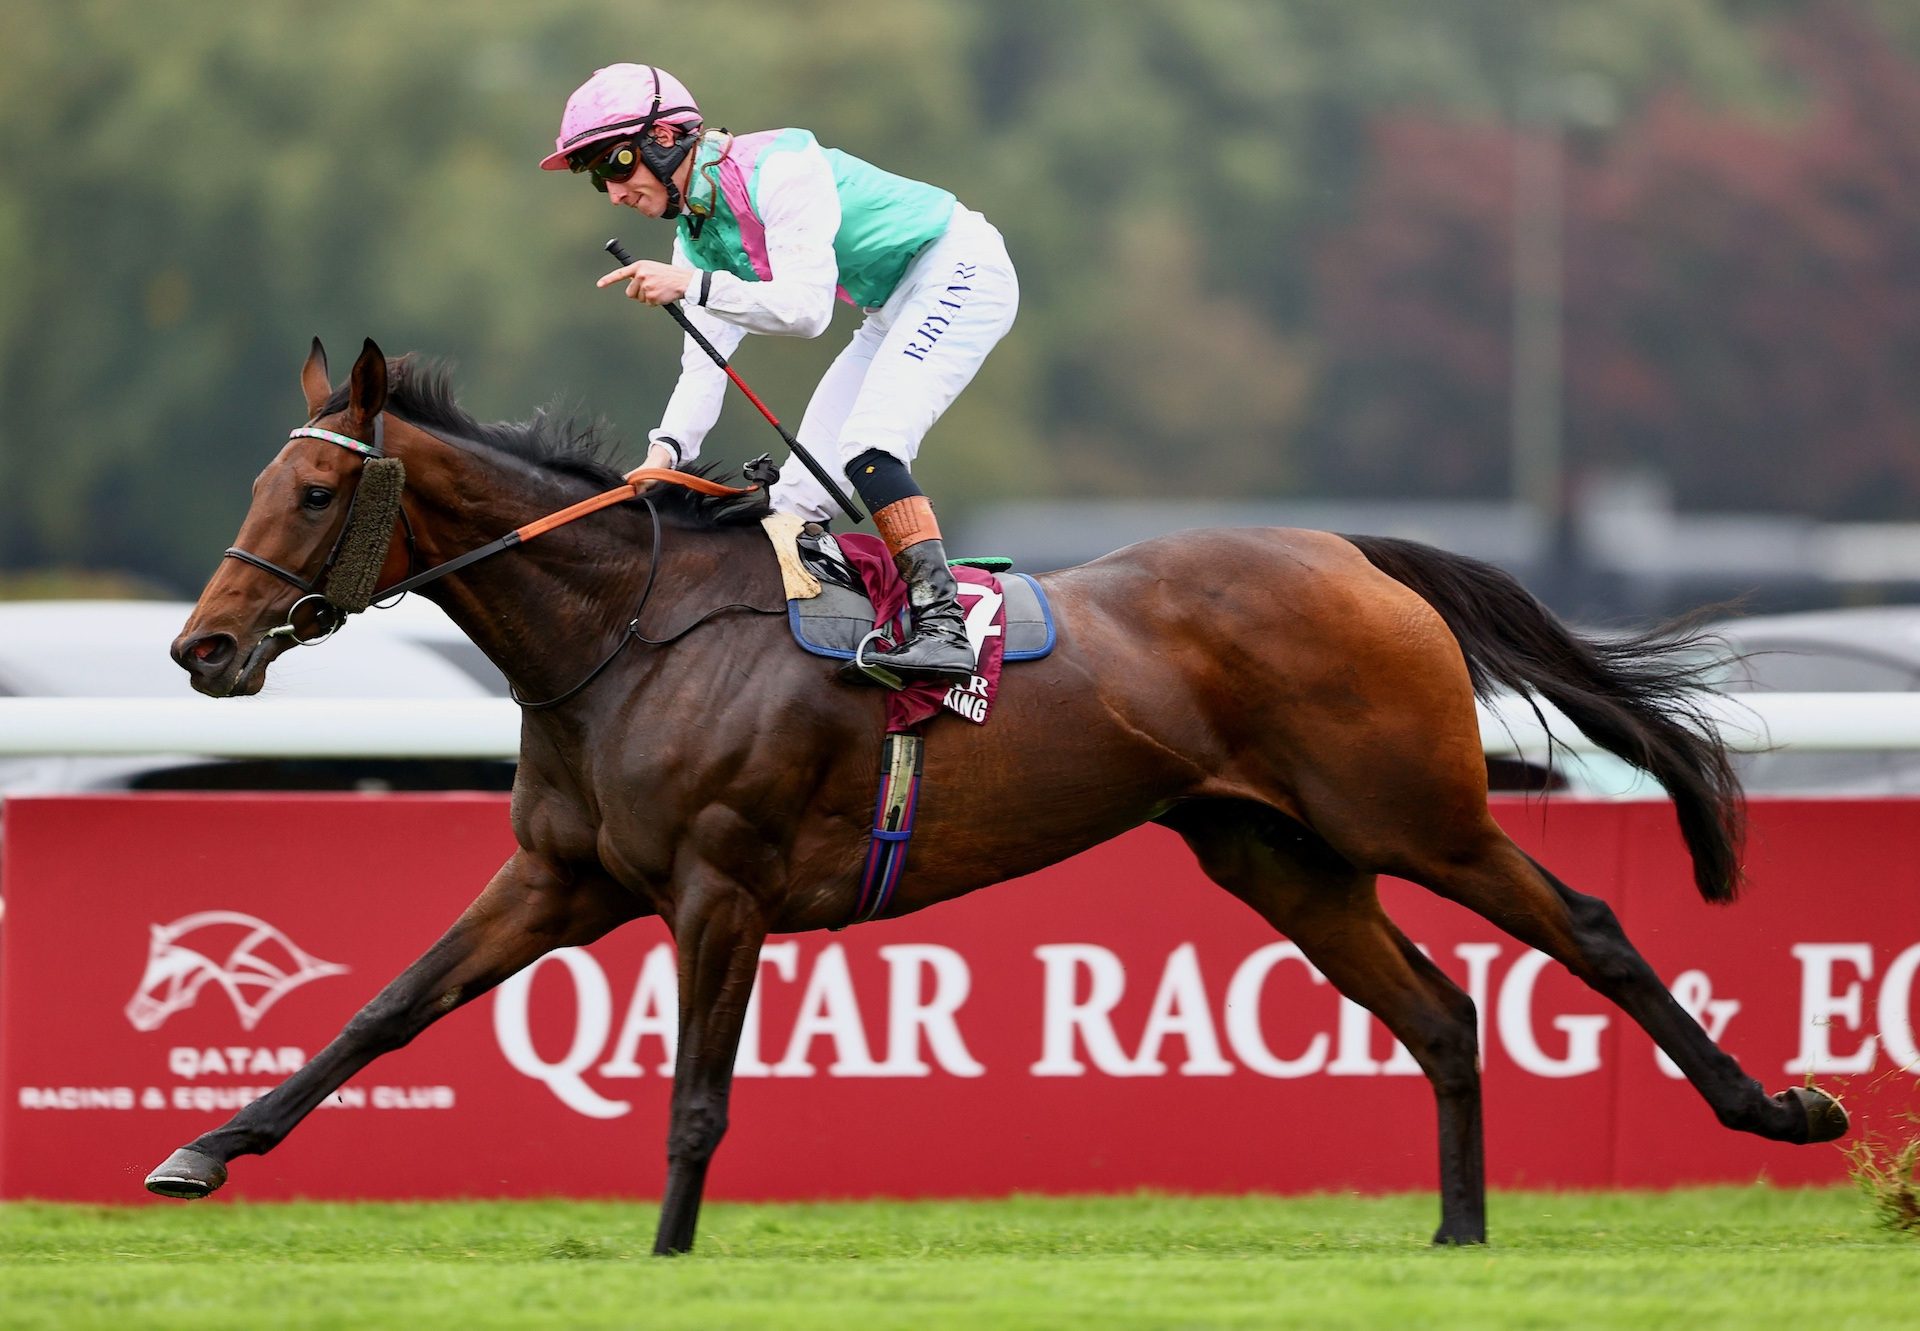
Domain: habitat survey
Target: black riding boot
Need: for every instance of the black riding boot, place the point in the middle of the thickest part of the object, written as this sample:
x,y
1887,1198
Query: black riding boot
x,y
937,647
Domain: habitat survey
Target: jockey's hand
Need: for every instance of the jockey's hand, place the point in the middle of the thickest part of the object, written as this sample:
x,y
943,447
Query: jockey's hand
x,y
659,455
654,283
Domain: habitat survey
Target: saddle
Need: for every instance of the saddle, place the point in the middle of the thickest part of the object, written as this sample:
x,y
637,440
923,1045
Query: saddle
x,y
834,623
832,612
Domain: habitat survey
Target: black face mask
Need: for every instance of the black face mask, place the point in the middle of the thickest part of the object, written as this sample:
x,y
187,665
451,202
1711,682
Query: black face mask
x,y
662,160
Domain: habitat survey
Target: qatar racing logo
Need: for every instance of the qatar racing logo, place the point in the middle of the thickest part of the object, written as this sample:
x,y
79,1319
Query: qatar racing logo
x,y
253,961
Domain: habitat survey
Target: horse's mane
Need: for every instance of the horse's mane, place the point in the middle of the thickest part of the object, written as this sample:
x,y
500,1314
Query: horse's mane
x,y
420,390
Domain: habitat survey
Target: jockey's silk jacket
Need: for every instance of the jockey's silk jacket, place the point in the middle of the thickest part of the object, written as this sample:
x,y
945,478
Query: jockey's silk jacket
x,y
790,225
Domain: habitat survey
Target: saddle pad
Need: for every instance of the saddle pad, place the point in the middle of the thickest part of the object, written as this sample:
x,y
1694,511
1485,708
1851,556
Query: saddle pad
x,y
834,622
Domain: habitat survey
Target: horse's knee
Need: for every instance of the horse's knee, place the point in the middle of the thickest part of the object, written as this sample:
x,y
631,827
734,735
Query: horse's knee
x,y
698,1126
391,1021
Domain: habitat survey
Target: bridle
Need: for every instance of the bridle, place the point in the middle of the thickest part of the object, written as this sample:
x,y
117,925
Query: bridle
x,y
332,615
328,614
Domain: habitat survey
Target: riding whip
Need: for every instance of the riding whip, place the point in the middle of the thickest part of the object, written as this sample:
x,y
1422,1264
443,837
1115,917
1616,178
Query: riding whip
x,y
619,251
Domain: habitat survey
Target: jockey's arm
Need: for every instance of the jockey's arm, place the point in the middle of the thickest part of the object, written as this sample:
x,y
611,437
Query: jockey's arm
x,y
696,400
801,210
800,206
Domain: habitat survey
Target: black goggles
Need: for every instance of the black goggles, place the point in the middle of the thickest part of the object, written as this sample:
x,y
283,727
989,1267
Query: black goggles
x,y
616,164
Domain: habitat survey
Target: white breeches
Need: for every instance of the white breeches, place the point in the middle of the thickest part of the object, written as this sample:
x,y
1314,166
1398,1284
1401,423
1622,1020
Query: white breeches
x,y
907,361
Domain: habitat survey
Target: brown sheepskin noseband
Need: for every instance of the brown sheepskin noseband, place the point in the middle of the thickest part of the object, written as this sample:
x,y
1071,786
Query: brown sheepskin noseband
x,y
363,547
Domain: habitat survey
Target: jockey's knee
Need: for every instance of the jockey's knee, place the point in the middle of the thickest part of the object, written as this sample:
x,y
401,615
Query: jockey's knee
x,y
881,479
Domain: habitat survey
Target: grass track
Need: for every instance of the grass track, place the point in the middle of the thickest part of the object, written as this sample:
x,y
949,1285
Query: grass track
x,y
1696,1258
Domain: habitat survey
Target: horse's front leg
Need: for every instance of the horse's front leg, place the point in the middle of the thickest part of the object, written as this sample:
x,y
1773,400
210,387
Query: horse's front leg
x,y
718,929
531,907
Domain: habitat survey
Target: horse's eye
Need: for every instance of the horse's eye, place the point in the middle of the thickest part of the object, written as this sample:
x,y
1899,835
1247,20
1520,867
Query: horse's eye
x,y
316,497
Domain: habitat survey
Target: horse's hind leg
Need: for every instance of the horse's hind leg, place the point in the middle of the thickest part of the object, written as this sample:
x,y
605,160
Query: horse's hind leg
x,y
1331,911
1491,876
530,908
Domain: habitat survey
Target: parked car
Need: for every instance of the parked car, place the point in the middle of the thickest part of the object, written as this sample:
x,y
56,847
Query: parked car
x,y
1582,775
1868,650
1874,650
118,649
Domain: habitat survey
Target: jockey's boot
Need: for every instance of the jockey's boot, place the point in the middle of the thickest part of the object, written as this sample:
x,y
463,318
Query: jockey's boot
x,y
937,648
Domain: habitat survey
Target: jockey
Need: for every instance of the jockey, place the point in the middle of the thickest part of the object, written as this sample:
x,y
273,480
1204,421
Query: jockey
x,y
771,227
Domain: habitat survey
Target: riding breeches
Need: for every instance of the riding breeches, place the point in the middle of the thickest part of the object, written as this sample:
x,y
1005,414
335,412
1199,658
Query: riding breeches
x,y
908,360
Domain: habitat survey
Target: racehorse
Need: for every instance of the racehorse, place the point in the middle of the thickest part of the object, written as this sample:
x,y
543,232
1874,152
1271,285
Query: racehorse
x,y
1298,706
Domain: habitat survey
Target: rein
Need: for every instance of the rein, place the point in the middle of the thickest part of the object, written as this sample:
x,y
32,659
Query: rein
x,y
633,633
333,615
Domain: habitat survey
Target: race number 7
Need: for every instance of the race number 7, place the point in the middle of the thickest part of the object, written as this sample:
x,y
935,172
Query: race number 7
x,y
980,625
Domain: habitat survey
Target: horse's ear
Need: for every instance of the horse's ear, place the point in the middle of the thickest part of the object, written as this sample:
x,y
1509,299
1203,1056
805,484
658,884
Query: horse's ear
x,y
367,385
313,379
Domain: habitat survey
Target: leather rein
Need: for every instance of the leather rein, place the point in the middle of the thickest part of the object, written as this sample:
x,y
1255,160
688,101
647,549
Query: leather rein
x,y
331,616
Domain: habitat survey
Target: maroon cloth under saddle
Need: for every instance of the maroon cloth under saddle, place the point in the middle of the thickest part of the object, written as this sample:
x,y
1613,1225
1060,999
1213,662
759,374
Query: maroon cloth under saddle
x,y
984,604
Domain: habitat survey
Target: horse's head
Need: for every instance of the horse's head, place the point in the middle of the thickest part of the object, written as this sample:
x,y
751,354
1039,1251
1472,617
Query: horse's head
x,y
312,547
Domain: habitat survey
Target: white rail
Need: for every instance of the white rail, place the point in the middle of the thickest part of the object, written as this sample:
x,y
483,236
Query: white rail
x,y
261,728
1749,722
490,728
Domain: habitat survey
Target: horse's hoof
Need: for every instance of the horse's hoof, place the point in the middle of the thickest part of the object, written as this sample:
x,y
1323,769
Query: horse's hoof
x,y
188,1175
1826,1118
1459,1238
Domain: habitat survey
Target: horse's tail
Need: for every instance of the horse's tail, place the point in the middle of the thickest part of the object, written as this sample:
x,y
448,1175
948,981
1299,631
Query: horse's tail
x,y
1636,697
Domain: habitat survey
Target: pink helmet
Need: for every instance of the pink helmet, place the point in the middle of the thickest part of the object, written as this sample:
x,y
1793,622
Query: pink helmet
x,y
622,101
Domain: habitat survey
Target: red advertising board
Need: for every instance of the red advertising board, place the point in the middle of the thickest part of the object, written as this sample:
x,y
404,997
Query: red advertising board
x,y
1112,1023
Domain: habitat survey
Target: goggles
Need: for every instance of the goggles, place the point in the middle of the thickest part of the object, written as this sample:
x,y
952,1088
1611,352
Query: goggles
x,y
616,164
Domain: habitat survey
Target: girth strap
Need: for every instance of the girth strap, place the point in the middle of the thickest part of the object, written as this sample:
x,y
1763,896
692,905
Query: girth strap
x,y
901,759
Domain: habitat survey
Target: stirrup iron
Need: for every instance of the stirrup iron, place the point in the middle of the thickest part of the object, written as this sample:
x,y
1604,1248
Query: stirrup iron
x,y
874,670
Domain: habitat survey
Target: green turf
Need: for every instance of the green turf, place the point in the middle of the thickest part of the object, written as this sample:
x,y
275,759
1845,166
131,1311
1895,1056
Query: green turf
x,y
1698,1258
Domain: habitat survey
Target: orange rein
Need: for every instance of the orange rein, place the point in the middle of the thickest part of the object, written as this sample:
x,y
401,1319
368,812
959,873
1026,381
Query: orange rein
x,y
636,478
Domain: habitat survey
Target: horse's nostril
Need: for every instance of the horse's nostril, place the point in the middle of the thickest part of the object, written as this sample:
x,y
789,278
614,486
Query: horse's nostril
x,y
210,652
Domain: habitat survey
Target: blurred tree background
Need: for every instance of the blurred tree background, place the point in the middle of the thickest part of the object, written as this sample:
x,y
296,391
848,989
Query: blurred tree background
x,y
1266,246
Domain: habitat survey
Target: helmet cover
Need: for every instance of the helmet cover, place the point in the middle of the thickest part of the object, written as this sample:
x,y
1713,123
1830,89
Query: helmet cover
x,y
620,101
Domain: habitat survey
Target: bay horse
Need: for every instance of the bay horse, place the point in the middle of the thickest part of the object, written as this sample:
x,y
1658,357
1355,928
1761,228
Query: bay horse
x,y
1298,706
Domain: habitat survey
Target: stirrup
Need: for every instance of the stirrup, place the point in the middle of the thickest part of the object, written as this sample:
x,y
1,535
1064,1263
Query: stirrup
x,y
874,670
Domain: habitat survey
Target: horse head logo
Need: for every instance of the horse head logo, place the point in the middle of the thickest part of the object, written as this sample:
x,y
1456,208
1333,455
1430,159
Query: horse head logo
x,y
253,961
